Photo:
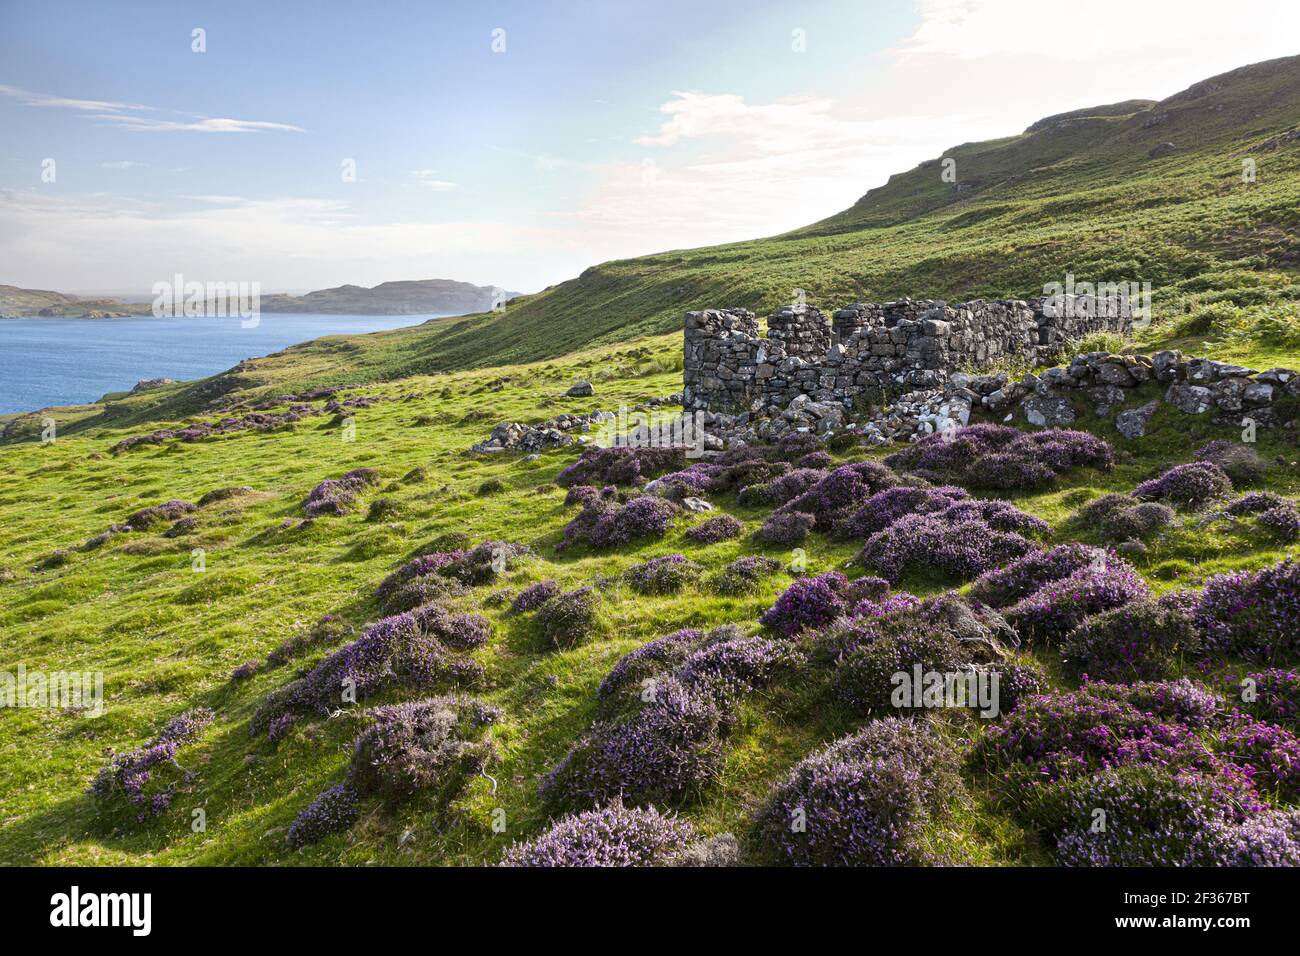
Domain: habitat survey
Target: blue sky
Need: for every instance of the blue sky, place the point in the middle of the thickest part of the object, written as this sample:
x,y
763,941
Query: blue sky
x,y
604,129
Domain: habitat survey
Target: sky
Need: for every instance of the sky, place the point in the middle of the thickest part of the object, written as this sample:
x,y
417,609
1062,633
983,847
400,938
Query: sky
x,y
304,145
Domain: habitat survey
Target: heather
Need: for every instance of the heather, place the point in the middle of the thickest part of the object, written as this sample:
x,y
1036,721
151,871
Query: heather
x,y
667,752
807,603
744,575
569,619
604,523
1252,613
864,800
333,811
1193,486
428,747
713,530
1025,575
335,496
828,498
393,650
928,543
664,575
613,835
534,596
144,781
885,507
620,466
661,654
1050,613
1000,458
785,529
1146,639
1271,695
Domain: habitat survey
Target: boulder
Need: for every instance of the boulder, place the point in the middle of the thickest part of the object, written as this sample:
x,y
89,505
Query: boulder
x,y
1048,411
1192,399
582,389
1133,423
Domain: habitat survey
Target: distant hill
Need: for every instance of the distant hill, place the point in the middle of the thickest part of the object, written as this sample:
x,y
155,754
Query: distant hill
x,y
1094,192
412,297
16,302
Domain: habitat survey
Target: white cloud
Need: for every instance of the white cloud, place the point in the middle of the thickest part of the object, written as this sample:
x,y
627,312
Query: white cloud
x,y
111,113
428,179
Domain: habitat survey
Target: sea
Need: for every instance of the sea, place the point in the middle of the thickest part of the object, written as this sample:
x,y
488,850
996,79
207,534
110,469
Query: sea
x,y
45,362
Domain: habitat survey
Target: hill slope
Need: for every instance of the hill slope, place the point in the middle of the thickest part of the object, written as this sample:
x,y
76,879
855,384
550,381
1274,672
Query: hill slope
x,y
1079,192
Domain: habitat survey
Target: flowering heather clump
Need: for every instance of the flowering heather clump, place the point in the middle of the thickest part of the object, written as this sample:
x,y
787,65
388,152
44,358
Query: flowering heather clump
x,y
279,728
613,835
1153,818
807,603
868,652
1282,522
428,746
785,528
1268,755
844,488
460,631
668,751
998,515
580,495
1275,696
423,566
420,591
863,800
335,495
664,575
1192,486
1254,502
793,445
603,523
952,451
1022,577
961,549
334,810
392,650
1266,839
994,456
815,459
718,528
244,670
146,518
1008,471
694,481
569,619
1056,608
729,669
483,563
662,654
745,476
1238,460
1141,640
885,507
744,575
129,775
621,466
534,596
784,488
1253,613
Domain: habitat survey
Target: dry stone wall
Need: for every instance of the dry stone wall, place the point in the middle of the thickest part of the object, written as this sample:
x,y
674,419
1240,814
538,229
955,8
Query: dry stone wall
x,y
870,347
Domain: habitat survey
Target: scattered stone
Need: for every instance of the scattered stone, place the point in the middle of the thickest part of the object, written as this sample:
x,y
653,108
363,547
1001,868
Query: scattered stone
x,y
583,389
1133,423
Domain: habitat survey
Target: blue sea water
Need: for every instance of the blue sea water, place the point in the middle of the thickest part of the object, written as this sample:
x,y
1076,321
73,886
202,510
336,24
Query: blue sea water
x,y
47,362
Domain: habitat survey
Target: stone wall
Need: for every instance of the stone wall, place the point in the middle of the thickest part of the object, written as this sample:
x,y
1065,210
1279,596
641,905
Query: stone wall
x,y
869,347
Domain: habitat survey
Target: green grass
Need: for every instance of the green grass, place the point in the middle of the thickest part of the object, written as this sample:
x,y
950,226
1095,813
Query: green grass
x,y
1085,198
167,637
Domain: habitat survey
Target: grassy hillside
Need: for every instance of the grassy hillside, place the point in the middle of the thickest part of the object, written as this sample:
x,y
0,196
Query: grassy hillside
x,y
1221,254
1081,195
